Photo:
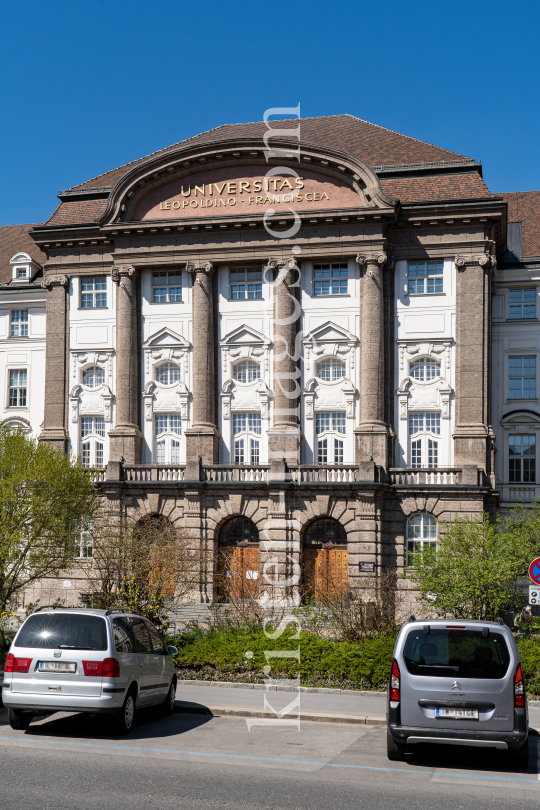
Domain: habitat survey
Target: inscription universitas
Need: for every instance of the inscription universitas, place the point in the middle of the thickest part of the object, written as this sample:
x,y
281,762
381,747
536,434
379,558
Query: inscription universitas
x,y
274,190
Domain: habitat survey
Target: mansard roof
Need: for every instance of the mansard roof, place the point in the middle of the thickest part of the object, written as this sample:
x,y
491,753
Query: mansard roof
x,y
377,146
16,239
524,207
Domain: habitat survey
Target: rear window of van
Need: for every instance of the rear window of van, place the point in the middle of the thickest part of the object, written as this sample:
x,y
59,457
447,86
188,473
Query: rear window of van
x,y
460,653
64,631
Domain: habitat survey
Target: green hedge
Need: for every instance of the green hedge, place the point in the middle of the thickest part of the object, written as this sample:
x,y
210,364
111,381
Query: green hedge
x,y
217,655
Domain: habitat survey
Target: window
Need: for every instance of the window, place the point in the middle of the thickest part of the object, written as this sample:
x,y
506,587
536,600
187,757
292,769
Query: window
x,y
425,278
19,323
17,388
329,428
246,430
330,279
246,283
421,533
92,433
522,304
21,272
247,371
424,450
84,544
331,369
238,530
522,459
323,531
522,378
93,377
93,293
425,369
168,374
168,428
166,287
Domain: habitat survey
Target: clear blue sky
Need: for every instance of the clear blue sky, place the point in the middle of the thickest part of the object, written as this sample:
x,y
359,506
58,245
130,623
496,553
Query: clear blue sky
x,y
89,85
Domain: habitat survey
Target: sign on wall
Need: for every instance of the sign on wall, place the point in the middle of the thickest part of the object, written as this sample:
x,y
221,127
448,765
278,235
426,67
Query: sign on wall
x,y
245,190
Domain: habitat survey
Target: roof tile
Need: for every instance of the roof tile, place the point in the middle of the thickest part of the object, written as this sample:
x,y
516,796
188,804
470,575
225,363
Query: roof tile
x,y
524,207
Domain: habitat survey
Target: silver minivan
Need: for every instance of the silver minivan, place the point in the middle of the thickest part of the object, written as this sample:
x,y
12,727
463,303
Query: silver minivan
x,y
457,683
94,661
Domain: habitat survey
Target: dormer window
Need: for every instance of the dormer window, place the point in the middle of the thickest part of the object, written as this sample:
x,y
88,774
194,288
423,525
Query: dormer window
x,y
23,267
22,272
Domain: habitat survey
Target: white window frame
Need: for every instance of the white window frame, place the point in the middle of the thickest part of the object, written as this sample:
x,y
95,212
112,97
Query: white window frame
x,y
425,442
334,363
170,282
250,366
18,323
90,368
246,437
522,458
167,443
252,288
420,533
84,545
19,388
429,283
337,283
428,363
522,304
167,365
330,437
522,376
97,295
93,444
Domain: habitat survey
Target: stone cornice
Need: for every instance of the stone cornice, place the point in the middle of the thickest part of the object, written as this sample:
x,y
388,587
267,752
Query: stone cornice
x,y
200,267
55,281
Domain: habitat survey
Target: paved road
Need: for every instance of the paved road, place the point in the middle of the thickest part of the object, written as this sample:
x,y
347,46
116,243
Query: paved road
x,y
191,762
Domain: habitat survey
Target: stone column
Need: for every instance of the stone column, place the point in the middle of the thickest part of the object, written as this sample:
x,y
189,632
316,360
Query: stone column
x,y
284,435
125,439
472,434
203,436
372,433
56,362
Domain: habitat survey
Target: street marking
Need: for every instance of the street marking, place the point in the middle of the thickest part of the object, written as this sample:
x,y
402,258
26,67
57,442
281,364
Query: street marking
x,y
264,759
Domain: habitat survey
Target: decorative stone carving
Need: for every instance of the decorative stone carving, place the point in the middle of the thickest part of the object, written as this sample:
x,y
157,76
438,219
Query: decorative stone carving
x,y
200,267
226,394
118,272
483,259
148,396
264,395
55,281
363,259
74,402
440,388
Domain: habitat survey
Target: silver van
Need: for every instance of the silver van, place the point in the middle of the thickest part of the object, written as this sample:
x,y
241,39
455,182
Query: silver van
x,y
457,683
95,661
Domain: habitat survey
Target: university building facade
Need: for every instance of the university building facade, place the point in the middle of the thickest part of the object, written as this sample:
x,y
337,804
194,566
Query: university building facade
x,y
338,376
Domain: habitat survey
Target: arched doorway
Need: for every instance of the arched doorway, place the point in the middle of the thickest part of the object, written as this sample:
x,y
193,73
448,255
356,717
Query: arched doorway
x,y
325,559
238,559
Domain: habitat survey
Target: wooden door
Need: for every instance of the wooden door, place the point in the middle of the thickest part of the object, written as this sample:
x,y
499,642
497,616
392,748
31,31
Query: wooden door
x,y
325,572
238,572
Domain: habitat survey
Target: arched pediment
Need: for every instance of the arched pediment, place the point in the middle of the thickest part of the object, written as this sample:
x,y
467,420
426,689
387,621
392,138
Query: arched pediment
x,y
20,258
520,417
228,178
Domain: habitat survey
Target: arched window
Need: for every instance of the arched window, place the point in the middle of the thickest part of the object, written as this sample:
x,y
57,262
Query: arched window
x,y
238,560
330,369
425,369
168,429
247,371
330,427
325,559
421,533
92,441
423,446
93,376
168,373
247,430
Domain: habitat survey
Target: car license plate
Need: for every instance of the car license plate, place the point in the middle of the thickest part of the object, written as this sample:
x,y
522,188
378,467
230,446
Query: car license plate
x,y
457,714
56,666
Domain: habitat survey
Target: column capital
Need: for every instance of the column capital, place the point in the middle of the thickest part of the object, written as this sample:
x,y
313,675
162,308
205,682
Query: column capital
x,y
279,264
200,267
118,273
483,259
379,258
55,281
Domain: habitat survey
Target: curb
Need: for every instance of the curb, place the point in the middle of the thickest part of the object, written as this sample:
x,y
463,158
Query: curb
x,y
277,688
222,711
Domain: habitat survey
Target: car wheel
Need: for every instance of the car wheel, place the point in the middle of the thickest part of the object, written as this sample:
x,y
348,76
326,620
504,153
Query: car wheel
x,y
519,757
19,720
123,721
394,751
167,707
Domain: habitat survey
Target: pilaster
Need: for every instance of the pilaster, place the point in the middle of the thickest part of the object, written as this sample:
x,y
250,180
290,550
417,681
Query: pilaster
x,y
126,438
202,438
56,369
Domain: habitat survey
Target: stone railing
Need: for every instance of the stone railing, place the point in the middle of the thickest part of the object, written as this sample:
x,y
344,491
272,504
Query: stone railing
x,y
153,472
440,476
323,473
236,472
514,493
98,474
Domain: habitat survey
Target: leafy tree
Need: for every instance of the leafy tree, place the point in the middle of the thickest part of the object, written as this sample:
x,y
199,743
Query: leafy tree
x,y
475,570
45,499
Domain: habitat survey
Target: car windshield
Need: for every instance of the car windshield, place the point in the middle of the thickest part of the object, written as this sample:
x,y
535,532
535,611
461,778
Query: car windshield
x,y
448,652
64,631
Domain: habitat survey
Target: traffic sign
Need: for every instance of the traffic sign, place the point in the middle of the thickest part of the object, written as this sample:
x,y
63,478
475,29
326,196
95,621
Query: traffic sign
x,y
534,570
534,595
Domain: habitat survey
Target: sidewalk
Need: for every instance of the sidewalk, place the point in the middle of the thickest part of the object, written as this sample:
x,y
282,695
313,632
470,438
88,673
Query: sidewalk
x,y
245,700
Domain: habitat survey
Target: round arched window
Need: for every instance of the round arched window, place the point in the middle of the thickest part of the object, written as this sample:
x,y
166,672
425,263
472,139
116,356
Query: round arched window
x,y
168,373
247,371
238,530
425,369
323,531
421,533
93,376
330,369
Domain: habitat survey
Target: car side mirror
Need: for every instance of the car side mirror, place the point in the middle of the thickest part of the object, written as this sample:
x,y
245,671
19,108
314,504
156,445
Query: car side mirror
x,y
172,651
